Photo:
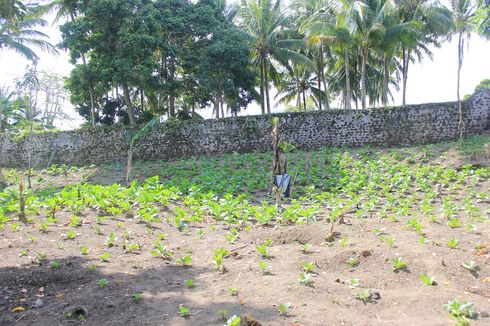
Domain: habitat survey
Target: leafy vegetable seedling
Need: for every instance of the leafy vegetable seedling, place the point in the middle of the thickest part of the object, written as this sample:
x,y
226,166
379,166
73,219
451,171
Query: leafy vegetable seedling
x,y
305,248
427,280
308,266
283,308
183,311
469,265
264,267
137,296
398,263
233,291
452,243
352,262
305,279
102,282
189,283
105,257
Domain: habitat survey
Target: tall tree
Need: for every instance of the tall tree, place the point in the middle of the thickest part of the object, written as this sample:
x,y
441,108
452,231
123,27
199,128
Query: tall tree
x,y
265,22
463,12
19,29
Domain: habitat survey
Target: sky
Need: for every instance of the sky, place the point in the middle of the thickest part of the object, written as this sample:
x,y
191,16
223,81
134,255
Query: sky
x,y
428,81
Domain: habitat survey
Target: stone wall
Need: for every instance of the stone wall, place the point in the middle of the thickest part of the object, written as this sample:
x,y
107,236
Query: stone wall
x,y
413,124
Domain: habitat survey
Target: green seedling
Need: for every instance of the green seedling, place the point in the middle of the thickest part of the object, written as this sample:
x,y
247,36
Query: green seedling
x,y
223,314
352,262
110,240
364,295
234,321
41,256
55,264
398,263
343,241
83,250
469,265
183,311
185,261
103,282
460,309
283,308
105,257
200,233
452,243
132,247
71,235
305,279
91,268
427,280
233,291
264,267
137,296
189,283
160,250
32,240
308,266
305,248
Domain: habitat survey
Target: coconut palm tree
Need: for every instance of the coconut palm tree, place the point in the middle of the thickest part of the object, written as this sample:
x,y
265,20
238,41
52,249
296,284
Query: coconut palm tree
x,y
429,22
266,23
463,12
21,35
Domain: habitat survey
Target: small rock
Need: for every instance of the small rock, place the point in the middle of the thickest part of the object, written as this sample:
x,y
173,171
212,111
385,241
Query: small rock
x,y
366,253
38,303
483,313
375,295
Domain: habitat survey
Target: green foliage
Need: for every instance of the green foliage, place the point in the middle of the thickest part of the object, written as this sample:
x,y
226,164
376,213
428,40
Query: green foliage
x,y
398,263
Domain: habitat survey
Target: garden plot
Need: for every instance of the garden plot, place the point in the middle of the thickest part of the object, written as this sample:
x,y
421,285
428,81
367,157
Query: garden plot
x,y
370,237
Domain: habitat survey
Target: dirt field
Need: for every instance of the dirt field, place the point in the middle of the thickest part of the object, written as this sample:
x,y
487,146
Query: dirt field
x,y
48,274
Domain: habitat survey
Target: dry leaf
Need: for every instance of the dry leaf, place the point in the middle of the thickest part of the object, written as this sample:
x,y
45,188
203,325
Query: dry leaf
x,y
18,309
58,295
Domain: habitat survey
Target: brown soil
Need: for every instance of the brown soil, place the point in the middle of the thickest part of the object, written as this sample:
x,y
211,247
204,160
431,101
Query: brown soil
x,y
404,299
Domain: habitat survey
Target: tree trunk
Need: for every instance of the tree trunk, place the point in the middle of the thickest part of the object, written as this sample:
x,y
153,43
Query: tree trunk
x,y
142,99
3,182
129,166
319,77
90,93
304,99
348,97
127,100
386,74
405,62
363,79
267,88
460,105
262,95
1,119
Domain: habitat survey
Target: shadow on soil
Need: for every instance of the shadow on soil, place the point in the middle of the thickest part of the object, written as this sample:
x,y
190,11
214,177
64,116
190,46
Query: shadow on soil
x,y
73,285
